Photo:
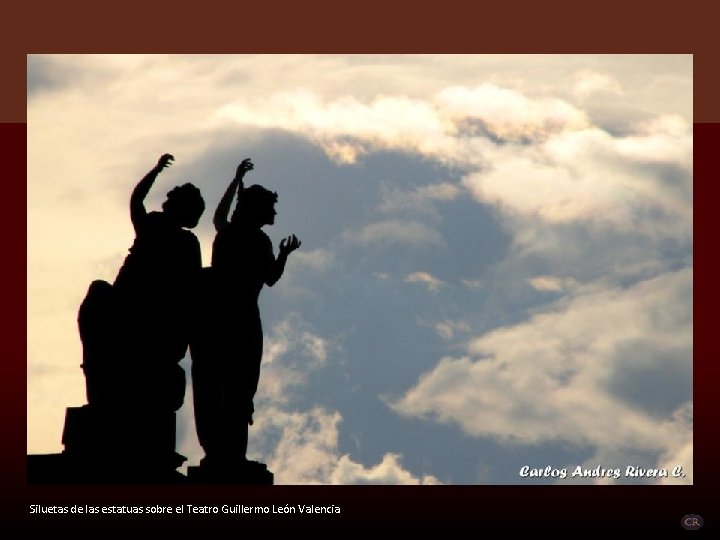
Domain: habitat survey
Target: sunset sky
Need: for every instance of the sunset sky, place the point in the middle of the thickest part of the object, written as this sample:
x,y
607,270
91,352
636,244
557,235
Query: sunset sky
x,y
496,268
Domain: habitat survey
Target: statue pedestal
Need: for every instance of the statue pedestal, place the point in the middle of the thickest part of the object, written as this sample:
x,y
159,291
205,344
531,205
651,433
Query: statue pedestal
x,y
247,473
112,446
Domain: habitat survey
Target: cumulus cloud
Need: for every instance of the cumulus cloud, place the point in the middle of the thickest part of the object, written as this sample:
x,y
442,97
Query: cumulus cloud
x,y
626,461
307,452
554,377
640,182
291,352
344,126
508,115
388,471
679,452
452,125
300,446
456,124
530,157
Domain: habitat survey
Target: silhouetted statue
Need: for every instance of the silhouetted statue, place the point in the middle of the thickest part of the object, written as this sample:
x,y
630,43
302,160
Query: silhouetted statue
x,y
227,344
134,333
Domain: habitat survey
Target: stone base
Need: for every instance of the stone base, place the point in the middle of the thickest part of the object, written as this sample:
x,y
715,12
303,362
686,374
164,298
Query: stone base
x,y
67,469
112,446
249,473
125,432
48,469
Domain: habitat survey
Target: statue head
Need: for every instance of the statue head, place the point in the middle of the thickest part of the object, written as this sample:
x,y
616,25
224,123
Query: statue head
x,y
184,205
256,206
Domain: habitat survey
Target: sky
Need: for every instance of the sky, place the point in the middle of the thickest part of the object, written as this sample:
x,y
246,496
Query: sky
x,y
496,260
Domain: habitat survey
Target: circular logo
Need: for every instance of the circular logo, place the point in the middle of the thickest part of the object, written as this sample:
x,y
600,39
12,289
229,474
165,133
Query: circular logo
x,y
691,522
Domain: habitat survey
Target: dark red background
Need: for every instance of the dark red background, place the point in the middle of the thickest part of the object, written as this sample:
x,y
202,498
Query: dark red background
x,y
371,27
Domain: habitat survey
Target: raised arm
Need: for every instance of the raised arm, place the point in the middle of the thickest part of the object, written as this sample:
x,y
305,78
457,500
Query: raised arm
x,y
137,199
287,246
220,219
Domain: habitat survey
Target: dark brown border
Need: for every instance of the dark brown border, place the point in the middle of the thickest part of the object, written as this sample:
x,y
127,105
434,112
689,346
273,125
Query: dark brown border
x,y
371,27
326,26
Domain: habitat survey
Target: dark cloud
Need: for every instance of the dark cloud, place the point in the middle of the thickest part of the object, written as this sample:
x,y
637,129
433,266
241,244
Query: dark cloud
x,y
618,119
654,380
317,198
44,74
602,253
477,127
383,324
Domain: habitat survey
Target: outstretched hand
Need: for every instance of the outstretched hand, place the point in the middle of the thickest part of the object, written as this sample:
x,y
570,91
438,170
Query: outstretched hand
x,y
244,167
164,161
289,244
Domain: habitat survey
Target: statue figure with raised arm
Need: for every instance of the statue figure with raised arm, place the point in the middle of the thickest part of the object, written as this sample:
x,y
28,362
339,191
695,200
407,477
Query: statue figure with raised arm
x,y
227,344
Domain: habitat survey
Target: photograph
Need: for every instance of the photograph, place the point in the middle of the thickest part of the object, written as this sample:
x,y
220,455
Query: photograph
x,y
361,267
303,269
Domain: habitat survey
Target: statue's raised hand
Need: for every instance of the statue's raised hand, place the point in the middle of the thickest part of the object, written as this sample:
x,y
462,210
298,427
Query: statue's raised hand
x,y
164,161
244,167
289,244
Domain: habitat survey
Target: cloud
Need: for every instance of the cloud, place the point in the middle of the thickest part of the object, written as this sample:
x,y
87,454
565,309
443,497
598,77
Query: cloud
x,y
680,452
590,82
592,190
307,452
433,284
418,200
508,115
552,283
536,157
388,471
291,352
474,284
448,329
317,260
529,157
300,446
306,444
393,232
314,347
641,182
344,127
455,124
553,376
43,76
